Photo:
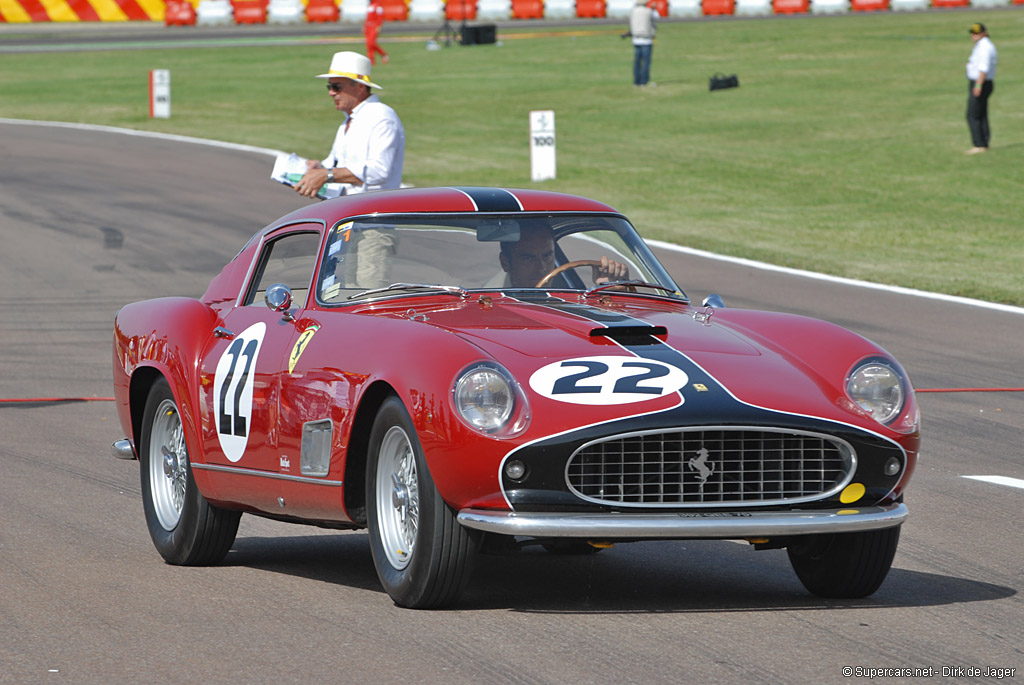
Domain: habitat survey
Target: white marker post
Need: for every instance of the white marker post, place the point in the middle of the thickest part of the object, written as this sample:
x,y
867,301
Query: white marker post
x,y
160,94
542,144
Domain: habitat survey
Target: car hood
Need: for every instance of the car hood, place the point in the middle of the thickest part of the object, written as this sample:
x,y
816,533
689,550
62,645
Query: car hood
x,y
550,327
782,362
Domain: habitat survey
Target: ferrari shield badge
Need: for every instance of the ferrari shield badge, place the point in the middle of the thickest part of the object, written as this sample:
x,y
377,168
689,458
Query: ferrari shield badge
x,y
300,346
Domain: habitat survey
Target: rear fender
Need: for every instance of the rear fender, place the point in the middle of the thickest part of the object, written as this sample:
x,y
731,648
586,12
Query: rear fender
x,y
155,338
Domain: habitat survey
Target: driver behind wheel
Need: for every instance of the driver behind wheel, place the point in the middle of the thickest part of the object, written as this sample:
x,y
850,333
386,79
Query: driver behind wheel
x,y
527,261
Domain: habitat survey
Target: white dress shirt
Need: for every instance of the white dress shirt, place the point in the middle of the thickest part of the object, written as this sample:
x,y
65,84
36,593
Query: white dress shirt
x,y
983,59
370,144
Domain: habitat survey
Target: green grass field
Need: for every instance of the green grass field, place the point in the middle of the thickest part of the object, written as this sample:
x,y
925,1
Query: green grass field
x,y
841,152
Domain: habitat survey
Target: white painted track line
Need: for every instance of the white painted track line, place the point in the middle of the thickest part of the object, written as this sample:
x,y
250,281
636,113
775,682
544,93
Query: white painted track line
x,y
1000,480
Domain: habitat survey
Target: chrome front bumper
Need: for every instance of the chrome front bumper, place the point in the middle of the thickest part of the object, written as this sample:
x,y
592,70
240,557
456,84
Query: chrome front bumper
x,y
733,524
123,449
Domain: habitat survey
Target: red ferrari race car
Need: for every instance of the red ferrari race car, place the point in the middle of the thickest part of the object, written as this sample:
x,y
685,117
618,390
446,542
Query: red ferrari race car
x,y
463,370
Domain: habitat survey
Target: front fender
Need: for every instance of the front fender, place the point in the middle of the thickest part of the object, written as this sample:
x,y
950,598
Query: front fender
x,y
464,464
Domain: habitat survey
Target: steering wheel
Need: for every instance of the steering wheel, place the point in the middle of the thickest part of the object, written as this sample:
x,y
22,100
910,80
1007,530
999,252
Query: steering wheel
x,y
565,267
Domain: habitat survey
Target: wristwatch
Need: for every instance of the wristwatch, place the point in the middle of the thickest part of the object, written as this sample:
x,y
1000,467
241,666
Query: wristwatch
x,y
330,176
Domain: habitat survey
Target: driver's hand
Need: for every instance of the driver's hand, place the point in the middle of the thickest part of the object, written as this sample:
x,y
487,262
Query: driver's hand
x,y
609,271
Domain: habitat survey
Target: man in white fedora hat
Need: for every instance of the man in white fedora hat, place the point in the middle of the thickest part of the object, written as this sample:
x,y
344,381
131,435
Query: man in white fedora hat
x,y
368,154
369,149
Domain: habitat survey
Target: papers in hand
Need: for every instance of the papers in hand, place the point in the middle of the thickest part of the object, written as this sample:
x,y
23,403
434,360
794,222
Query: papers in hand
x,y
288,169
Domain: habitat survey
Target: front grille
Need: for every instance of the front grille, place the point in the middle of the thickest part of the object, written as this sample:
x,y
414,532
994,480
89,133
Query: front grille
x,y
711,467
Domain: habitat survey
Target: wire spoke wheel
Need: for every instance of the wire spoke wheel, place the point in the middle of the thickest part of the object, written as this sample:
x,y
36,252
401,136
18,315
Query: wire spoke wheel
x,y
185,528
398,497
168,470
422,555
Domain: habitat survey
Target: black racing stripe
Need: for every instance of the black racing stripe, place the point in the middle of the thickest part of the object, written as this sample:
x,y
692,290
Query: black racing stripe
x,y
491,199
584,311
665,353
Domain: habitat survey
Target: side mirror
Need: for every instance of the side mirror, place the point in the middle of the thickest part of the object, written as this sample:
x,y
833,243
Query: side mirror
x,y
279,299
714,300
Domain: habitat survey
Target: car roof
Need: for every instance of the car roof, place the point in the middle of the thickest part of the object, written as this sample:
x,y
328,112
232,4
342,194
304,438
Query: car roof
x,y
458,199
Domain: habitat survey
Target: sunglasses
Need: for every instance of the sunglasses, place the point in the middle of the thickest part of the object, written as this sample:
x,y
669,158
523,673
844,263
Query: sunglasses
x,y
335,87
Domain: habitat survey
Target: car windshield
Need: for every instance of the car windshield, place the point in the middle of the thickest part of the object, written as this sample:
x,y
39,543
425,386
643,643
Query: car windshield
x,y
383,256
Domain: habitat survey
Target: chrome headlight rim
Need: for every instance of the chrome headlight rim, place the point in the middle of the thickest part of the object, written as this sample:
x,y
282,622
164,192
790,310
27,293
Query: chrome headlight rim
x,y
508,417
870,380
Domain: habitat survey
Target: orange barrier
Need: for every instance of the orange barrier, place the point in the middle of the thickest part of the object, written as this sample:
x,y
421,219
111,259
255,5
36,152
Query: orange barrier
x,y
718,6
395,10
180,13
869,5
249,11
791,6
590,8
457,10
950,3
322,10
532,9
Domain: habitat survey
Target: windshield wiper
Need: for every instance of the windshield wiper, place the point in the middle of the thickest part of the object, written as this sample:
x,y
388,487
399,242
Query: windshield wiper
x,y
452,289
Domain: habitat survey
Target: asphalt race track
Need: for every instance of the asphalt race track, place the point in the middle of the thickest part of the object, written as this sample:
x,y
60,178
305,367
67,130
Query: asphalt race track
x,y
92,220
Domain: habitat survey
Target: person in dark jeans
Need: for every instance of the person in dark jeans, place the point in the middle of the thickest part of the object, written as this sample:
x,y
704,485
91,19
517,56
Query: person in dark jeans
x,y
981,76
642,29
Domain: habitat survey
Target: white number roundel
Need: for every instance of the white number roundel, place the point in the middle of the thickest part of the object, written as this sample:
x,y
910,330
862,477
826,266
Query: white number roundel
x,y
232,390
607,380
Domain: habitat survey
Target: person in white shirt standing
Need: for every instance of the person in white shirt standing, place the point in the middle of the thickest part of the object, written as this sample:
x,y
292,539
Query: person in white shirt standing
x,y
981,77
369,148
642,29
368,154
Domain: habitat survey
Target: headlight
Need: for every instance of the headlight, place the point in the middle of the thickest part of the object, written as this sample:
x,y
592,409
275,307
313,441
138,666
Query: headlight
x,y
878,389
485,397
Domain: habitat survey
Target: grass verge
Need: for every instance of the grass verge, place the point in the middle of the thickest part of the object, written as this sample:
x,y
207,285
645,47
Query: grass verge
x,y
841,152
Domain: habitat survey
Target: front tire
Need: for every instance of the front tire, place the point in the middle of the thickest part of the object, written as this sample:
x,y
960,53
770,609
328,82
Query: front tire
x,y
185,528
422,555
845,565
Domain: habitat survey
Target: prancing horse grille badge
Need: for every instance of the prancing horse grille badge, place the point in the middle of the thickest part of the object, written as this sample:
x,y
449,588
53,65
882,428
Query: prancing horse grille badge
x,y
702,466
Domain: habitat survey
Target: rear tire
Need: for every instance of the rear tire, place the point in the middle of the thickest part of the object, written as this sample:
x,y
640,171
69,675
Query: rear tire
x,y
423,557
844,565
185,528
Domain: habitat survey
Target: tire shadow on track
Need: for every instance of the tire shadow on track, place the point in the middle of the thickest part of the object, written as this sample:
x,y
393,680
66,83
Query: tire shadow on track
x,y
342,559
642,578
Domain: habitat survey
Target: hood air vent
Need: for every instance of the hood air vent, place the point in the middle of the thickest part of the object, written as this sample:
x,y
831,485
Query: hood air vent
x,y
631,333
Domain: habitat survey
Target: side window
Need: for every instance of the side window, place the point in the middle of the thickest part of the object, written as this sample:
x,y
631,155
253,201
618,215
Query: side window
x,y
289,259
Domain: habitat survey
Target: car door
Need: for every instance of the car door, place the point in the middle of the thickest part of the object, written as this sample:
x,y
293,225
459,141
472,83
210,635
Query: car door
x,y
243,369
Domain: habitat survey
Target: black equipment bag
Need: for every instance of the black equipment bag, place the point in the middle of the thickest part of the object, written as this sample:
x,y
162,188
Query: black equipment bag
x,y
720,81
